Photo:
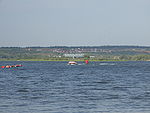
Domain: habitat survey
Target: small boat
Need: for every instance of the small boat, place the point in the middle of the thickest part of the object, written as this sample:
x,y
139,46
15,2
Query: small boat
x,y
18,65
10,66
86,61
72,63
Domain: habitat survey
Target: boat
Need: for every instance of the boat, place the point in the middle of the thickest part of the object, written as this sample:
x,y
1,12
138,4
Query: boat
x,y
86,61
72,63
10,66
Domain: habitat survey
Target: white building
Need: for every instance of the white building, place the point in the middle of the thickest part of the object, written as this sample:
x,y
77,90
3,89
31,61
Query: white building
x,y
74,55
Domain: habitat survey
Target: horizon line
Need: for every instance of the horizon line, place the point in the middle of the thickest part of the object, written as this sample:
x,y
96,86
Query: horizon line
x,y
76,46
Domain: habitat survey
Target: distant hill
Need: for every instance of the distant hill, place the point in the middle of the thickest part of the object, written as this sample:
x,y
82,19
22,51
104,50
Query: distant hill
x,y
91,52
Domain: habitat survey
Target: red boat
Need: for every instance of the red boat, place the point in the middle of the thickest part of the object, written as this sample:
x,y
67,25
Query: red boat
x,y
10,66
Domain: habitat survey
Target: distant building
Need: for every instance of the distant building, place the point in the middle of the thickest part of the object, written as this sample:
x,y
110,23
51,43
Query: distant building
x,y
92,56
74,55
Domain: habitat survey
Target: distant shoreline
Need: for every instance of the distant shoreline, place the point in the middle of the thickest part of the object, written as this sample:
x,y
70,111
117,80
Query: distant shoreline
x,y
63,53
66,60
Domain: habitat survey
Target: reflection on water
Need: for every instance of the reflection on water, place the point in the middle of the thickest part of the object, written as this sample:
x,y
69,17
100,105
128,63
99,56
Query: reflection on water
x,y
55,87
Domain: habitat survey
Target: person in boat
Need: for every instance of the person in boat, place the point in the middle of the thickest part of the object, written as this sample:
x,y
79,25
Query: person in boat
x,y
18,65
2,66
7,66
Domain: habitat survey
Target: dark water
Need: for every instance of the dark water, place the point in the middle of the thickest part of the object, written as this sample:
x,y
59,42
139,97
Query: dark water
x,y
55,87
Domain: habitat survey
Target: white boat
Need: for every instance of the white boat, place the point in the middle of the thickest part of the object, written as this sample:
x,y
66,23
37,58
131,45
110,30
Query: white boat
x,y
72,63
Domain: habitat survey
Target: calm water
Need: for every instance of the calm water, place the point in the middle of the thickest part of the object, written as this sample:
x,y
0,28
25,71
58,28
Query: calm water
x,y
55,87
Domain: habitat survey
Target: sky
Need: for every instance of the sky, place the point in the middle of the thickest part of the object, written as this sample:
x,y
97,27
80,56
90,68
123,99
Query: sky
x,y
74,22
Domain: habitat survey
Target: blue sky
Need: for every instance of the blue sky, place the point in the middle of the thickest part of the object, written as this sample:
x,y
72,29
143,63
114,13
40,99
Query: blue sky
x,y
74,22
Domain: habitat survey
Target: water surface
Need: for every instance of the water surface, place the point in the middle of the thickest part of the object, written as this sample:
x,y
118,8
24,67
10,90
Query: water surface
x,y
55,87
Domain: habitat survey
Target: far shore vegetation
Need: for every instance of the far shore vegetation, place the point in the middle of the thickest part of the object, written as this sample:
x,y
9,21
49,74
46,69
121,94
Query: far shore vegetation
x,y
63,53
133,58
